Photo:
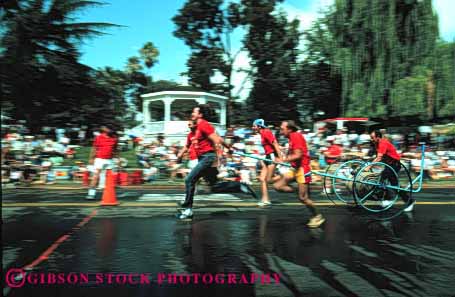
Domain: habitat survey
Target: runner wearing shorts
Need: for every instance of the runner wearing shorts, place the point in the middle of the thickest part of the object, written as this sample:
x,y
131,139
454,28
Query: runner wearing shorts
x,y
271,150
103,150
299,158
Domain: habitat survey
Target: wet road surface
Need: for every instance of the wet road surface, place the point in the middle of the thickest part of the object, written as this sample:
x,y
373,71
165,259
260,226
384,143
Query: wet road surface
x,y
230,248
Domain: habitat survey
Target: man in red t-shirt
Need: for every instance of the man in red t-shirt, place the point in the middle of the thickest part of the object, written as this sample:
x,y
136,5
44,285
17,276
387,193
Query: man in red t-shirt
x,y
333,152
386,153
271,148
189,147
205,141
103,150
299,158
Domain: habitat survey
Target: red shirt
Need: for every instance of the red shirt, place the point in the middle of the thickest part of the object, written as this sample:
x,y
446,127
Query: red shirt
x,y
202,143
189,144
267,138
297,142
387,149
334,152
104,146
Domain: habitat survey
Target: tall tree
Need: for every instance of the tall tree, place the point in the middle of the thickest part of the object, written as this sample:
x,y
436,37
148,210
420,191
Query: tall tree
x,y
272,42
377,44
40,73
206,27
319,85
149,54
444,78
139,81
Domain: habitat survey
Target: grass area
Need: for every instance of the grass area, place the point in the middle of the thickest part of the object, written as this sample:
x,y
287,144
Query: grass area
x,y
82,154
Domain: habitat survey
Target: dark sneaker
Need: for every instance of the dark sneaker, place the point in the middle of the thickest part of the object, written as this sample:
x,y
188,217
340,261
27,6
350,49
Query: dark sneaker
x,y
245,188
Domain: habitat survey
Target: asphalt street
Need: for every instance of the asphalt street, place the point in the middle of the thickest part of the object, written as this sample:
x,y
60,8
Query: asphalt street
x,y
230,248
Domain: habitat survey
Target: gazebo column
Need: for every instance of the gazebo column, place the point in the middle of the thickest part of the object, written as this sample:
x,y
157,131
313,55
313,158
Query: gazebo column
x,y
167,108
223,114
146,111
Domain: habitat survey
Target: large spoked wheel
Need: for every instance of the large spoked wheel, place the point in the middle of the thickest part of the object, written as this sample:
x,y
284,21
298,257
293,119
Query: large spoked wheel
x,y
409,187
377,188
327,181
342,184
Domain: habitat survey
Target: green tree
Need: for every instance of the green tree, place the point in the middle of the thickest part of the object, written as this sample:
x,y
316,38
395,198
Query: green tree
x,y
272,43
444,78
40,74
319,85
376,44
134,65
149,54
139,81
206,27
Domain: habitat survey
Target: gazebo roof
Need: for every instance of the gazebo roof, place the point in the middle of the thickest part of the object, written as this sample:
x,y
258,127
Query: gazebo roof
x,y
194,94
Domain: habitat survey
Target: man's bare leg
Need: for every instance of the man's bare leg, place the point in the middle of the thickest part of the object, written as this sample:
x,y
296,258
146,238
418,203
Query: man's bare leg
x,y
92,191
263,180
282,185
304,196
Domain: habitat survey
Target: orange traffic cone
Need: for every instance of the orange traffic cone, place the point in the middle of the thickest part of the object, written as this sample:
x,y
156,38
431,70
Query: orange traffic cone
x,y
109,197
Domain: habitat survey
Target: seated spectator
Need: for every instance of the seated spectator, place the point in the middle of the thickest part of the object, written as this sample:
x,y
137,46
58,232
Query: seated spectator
x,y
333,152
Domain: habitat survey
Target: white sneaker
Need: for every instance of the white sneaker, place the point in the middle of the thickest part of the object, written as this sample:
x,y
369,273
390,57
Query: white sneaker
x,y
410,207
316,221
264,203
91,194
186,214
386,203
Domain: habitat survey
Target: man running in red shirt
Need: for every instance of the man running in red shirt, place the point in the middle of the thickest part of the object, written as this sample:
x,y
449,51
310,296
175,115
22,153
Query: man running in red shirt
x,y
271,147
192,154
205,141
386,153
299,158
103,150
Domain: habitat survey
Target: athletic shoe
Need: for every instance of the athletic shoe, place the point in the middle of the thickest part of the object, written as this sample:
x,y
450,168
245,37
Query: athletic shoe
x,y
264,203
410,207
386,203
316,221
245,188
186,214
91,194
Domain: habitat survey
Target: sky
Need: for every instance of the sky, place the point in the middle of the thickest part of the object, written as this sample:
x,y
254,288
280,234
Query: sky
x,y
151,20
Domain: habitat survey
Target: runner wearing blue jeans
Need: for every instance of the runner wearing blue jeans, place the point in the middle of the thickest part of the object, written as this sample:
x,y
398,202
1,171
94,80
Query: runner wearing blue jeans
x,y
204,142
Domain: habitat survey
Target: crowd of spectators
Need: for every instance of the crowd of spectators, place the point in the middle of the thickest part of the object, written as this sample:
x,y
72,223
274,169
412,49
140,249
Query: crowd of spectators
x,y
30,158
325,148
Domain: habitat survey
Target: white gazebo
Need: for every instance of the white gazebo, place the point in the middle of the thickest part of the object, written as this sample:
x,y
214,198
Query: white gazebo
x,y
167,113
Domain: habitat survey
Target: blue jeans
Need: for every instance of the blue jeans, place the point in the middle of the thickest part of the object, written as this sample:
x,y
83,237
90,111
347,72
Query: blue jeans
x,y
202,169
